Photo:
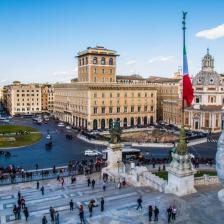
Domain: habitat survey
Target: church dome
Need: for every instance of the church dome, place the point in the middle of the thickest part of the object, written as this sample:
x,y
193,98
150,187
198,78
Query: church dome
x,y
207,62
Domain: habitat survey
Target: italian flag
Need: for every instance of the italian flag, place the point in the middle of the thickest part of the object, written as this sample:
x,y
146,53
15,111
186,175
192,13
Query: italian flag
x,y
188,94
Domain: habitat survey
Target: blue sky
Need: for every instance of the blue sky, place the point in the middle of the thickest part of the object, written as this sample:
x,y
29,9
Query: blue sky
x,y
40,38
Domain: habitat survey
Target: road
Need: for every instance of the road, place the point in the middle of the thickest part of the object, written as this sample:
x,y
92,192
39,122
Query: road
x,y
64,150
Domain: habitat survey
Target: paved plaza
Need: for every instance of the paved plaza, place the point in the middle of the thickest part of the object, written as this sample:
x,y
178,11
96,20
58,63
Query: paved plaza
x,y
120,204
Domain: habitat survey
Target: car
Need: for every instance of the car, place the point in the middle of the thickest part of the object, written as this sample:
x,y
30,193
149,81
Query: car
x,y
90,152
68,127
48,136
61,124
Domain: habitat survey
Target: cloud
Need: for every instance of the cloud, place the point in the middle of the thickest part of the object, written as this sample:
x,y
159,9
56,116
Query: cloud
x,y
163,59
213,33
131,62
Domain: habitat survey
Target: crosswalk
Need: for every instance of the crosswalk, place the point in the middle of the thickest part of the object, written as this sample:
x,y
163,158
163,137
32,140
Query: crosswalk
x,y
215,140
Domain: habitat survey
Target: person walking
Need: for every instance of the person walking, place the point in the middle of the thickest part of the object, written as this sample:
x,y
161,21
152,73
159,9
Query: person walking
x,y
26,213
139,201
57,217
81,214
38,185
156,214
22,202
44,220
19,195
42,190
102,204
104,186
18,212
174,212
93,183
71,205
52,214
90,206
62,181
15,212
169,213
119,185
88,181
150,213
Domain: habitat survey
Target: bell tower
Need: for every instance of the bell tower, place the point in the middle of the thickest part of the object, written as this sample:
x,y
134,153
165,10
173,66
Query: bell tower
x,y
207,62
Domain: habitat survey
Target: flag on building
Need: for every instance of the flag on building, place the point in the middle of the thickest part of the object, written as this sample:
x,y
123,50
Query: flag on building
x,y
188,94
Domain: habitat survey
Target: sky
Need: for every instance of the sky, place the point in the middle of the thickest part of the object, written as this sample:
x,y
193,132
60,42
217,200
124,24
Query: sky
x,y
40,38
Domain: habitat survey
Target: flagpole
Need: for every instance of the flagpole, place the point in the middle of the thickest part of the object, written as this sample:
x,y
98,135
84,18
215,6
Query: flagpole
x,y
182,108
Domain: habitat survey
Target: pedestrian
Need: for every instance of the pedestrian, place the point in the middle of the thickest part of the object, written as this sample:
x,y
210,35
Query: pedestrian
x,y
19,195
71,204
22,203
90,206
174,212
156,214
81,214
26,213
42,190
169,213
88,181
44,220
15,212
19,202
139,201
102,204
104,186
57,217
93,183
150,213
62,181
119,185
18,212
38,185
52,213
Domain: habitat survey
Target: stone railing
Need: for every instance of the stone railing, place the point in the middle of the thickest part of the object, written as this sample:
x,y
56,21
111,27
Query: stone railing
x,y
206,180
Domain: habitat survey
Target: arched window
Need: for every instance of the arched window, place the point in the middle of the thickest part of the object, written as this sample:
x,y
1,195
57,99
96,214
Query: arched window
x,y
83,61
95,60
80,62
111,61
86,60
103,61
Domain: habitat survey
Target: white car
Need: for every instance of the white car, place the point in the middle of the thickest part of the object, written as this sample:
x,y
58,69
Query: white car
x,y
68,127
48,136
90,152
61,124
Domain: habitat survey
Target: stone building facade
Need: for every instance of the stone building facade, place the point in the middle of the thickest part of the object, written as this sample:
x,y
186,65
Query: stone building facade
x,y
22,98
98,97
47,98
207,109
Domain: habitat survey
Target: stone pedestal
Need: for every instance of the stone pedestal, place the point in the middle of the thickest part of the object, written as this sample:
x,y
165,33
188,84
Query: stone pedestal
x,y
115,167
180,175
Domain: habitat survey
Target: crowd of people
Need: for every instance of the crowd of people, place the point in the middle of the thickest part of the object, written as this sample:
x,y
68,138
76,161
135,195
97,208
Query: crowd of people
x,y
54,217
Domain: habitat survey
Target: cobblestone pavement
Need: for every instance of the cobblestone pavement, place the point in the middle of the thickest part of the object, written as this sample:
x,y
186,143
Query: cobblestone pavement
x,y
120,204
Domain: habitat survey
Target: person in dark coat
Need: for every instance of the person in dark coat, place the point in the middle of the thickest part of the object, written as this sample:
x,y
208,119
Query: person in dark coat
x,y
44,220
15,212
102,204
169,213
71,205
150,213
88,181
26,213
42,190
139,201
81,214
38,185
93,183
156,214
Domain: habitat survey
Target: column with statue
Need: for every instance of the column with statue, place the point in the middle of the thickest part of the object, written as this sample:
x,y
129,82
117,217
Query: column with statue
x,y
115,166
181,172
